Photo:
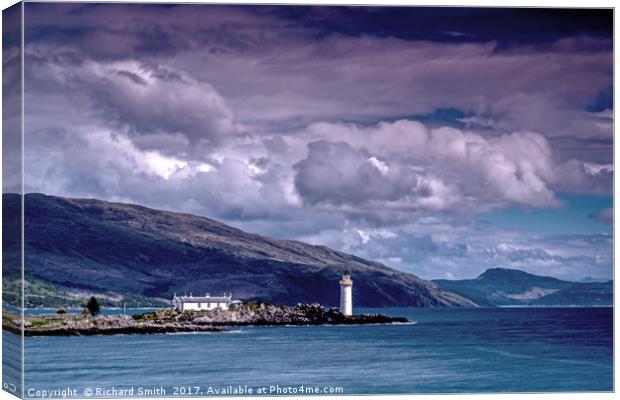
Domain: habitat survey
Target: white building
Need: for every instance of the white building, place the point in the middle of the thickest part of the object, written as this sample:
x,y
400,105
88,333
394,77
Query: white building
x,y
346,294
207,302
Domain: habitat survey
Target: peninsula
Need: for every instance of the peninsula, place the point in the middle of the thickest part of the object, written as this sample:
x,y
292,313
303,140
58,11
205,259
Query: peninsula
x,y
174,321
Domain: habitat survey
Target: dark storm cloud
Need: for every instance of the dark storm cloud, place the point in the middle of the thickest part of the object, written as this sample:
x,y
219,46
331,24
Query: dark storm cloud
x,y
507,26
152,103
118,31
286,65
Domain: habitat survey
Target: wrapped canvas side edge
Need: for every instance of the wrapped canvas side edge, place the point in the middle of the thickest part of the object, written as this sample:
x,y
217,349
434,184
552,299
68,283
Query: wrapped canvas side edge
x,y
13,283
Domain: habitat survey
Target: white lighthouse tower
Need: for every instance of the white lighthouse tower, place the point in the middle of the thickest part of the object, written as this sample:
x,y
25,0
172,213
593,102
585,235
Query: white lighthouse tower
x,y
346,294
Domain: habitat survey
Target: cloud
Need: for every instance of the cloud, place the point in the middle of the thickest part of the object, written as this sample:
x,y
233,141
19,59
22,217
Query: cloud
x,y
161,108
446,248
577,177
182,104
270,68
339,174
406,165
302,178
107,165
282,126
605,216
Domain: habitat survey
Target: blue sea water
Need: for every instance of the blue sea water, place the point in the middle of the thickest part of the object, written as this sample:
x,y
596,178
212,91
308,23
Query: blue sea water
x,y
442,351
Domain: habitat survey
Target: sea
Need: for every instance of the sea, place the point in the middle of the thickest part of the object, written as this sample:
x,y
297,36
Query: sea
x,y
474,350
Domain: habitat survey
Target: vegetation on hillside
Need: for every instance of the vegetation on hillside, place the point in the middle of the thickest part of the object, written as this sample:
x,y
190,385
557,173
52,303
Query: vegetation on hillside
x,y
39,293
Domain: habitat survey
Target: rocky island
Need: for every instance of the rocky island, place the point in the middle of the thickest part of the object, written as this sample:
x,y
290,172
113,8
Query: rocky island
x,y
172,321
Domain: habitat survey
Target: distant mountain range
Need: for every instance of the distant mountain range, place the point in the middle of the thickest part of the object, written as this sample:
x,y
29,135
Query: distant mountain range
x,y
511,287
75,247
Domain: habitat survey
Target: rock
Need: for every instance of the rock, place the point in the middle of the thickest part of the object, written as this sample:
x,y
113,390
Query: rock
x,y
269,314
163,321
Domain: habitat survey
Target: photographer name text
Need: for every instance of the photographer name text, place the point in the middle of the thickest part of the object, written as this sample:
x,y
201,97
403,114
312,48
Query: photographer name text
x,y
180,391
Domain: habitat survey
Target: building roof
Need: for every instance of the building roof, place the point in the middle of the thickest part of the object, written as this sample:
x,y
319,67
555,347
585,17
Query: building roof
x,y
211,299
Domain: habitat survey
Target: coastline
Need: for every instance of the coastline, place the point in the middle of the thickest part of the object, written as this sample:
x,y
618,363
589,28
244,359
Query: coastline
x,y
145,330
172,321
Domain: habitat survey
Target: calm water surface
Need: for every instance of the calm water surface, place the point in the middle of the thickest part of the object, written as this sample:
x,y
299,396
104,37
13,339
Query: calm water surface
x,y
444,350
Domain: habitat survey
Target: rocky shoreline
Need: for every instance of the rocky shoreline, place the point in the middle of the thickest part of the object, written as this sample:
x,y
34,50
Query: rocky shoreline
x,y
171,321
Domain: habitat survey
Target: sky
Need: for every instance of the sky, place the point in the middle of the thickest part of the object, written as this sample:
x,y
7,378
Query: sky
x,y
438,141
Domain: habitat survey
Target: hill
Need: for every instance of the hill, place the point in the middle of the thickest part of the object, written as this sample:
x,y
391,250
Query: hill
x,y
510,287
114,248
43,294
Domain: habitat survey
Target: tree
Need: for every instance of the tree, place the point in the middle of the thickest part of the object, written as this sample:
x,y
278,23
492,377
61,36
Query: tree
x,y
93,306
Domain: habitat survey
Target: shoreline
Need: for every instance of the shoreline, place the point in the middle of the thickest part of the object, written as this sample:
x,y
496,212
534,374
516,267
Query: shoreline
x,y
143,330
172,321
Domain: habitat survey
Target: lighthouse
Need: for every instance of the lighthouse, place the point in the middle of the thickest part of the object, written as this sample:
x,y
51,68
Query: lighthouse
x,y
346,297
